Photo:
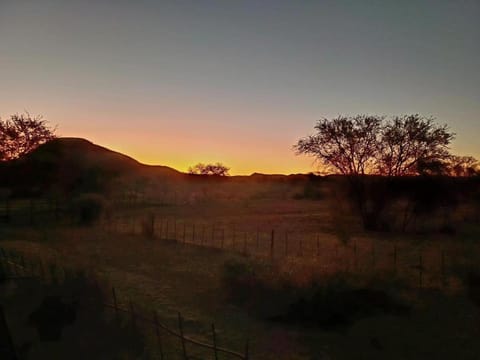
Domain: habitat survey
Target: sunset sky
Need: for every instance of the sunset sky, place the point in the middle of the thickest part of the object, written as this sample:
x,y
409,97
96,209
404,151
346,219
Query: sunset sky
x,y
236,81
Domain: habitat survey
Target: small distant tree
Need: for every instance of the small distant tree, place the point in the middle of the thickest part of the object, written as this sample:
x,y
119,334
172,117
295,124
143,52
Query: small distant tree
x,y
463,166
209,169
22,133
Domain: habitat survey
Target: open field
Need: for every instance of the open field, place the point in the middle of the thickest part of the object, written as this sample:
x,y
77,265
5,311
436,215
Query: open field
x,y
170,272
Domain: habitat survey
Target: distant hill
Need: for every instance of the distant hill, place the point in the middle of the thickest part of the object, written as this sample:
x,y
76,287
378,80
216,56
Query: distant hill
x,y
74,165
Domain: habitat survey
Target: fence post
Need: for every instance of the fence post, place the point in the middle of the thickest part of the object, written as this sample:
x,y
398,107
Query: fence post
x,y
395,258
180,327
31,211
272,240
161,228
355,263
373,254
214,335
234,237
286,243
9,346
184,231
175,229
115,303
7,210
420,270
443,268
157,331
166,230
245,243
134,318
213,235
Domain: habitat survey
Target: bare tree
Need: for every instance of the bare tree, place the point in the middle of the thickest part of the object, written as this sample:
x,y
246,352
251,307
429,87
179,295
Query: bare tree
x,y
369,144
21,134
409,142
209,169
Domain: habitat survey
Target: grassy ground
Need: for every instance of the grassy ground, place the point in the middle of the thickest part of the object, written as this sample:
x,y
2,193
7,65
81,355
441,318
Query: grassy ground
x,y
171,277
168,277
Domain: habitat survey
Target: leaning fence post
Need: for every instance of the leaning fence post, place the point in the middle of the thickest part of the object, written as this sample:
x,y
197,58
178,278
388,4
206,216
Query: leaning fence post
x,y
157,331
214,335
180,327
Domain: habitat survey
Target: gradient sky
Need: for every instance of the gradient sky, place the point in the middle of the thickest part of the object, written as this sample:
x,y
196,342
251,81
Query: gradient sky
x,y
236,81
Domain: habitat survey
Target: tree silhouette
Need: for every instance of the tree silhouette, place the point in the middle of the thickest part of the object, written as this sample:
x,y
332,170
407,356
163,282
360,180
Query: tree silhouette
x,y
209,169
21,134
371,144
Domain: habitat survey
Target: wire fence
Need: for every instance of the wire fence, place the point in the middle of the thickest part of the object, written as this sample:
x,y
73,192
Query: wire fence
x,y
15,267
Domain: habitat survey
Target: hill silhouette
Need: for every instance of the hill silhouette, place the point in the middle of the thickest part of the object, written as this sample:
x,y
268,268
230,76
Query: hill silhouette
x,y
74,165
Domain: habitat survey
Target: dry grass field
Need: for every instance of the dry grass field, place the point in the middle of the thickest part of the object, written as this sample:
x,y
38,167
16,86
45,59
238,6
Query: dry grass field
x,y
175,271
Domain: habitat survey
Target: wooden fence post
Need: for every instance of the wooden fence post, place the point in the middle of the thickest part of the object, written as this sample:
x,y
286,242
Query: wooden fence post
x,y
134,318
180,327
245,243
166,230
420,270
115,303
9,346
7,210
175,229
234,236
286,243
373,255
443,268
395,258
272,241
214,335
355,260
213,235
157,332
184,232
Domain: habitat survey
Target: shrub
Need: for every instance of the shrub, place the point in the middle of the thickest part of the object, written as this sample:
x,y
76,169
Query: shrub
x,y
88,208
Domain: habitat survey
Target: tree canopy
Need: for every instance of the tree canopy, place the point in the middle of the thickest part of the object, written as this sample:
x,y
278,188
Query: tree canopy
x,y
371,144
209,169
22,133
